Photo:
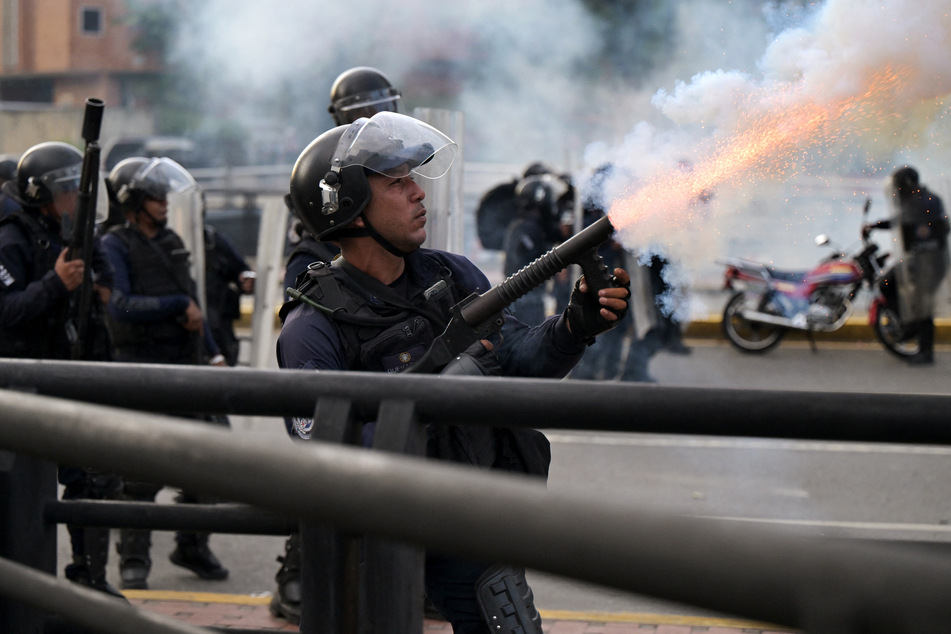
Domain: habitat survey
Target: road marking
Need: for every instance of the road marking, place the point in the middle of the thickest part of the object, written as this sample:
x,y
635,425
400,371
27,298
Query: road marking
x,y
554,615
628,439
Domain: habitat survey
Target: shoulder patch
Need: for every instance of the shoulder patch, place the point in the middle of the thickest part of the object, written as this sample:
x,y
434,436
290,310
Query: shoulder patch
x,y
5,277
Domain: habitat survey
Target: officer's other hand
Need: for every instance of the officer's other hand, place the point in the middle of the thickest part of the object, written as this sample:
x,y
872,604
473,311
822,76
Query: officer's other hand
x,y
193,319
104,293
246,281
588,316
70,272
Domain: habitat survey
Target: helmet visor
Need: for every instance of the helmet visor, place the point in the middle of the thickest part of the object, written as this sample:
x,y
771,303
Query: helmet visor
x,y
160,177
63,180
395,145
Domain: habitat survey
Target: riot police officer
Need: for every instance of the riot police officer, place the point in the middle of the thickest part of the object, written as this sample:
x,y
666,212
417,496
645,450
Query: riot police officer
x,y
922,235
356,185
37,283
357,92
154,317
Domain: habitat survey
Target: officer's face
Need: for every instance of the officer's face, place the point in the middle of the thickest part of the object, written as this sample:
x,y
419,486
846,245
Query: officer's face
x,y
157,210
64,204
396,210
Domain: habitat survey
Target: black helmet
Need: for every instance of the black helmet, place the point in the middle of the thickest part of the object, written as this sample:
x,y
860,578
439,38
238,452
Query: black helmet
x,y
329,187
362,92
8,167
45,171
905,179
134,179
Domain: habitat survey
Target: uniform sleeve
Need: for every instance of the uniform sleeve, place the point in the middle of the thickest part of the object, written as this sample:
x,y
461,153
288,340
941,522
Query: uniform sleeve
x,y
124,306
310,341
23,299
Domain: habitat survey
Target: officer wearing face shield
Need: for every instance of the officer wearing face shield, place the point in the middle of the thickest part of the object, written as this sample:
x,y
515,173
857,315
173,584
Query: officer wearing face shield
x,y
378,307
358,92
154,317
36,285
922,228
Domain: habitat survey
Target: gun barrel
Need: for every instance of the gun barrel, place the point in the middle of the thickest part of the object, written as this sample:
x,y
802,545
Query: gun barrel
x,y
535,274
92,119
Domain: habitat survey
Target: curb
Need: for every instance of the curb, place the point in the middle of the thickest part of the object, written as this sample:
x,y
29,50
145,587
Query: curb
x,y
247,613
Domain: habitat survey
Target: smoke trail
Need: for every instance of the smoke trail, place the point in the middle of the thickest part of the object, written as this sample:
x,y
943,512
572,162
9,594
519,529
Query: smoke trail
x,y
847,87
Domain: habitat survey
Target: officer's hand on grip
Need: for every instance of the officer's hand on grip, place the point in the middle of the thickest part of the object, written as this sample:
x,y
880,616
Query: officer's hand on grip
x,y
588,316
70,272
192,319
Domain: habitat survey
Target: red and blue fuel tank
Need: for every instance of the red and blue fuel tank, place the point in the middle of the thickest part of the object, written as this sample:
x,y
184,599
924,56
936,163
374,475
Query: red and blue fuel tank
x,y
834,272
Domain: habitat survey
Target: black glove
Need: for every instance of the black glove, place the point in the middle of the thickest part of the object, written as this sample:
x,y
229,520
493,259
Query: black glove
x,y
584,313
475,361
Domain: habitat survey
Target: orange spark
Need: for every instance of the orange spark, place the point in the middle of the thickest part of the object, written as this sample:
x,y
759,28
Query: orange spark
x,y
768,144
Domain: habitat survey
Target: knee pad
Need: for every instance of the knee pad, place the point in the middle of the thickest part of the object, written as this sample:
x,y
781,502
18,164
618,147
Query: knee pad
x,y
507,602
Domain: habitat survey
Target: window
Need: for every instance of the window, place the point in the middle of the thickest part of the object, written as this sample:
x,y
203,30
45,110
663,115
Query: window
x,y
90,21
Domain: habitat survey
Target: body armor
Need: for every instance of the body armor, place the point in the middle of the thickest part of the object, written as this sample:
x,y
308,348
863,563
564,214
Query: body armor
x,y
159,267
42,338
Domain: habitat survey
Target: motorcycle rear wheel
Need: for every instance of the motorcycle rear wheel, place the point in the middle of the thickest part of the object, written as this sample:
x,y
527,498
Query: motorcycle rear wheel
x,y
748,336
898,340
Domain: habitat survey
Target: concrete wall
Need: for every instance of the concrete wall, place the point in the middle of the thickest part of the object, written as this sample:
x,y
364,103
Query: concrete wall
x,y
22,128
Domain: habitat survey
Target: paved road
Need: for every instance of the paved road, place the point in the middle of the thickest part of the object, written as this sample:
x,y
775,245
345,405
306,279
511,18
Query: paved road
x,y
887,491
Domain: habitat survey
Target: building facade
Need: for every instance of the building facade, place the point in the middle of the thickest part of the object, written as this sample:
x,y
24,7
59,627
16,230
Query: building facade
x,y
59,52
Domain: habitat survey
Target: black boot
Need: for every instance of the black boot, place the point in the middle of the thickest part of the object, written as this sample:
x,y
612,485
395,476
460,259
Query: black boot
x,y
285,604
90,554
925,354
134,561
192,552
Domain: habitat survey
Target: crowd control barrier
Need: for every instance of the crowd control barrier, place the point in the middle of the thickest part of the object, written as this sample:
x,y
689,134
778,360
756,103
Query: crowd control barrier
x,y
757,572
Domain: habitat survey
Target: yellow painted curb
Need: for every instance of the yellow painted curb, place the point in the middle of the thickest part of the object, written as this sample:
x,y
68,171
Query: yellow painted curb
x,y
554,615
198,597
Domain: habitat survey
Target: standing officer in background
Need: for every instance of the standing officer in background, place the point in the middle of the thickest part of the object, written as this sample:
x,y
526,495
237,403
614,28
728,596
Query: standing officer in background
x,y
358,92
8,171
228,276
36,285
922,225
361,91
355,185
154,318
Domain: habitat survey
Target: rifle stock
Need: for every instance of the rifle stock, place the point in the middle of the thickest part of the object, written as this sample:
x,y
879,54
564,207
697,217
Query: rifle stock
x,y
478,316
81,240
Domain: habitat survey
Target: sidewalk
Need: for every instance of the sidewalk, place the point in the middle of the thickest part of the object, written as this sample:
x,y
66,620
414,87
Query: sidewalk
x,y
245,612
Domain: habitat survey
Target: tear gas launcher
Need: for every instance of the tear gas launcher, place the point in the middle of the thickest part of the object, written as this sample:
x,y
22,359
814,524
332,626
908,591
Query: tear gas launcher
x,y
82,236
480,315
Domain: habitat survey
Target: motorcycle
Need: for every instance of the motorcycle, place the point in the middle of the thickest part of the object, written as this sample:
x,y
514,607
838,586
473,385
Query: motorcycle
x,y
768,303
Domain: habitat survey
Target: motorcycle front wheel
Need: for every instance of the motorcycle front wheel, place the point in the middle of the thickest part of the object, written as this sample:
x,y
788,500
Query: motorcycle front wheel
x,y
748,336
901,342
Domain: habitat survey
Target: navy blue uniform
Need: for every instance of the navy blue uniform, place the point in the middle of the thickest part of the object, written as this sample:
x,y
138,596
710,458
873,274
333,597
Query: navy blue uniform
x,y
310,339
33,299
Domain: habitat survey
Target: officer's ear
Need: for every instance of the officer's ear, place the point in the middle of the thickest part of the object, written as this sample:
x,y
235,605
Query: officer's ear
x,y
358,222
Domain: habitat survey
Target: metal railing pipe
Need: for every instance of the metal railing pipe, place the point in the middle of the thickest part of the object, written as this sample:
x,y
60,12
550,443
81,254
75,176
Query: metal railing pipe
x,y
761,573
209,518
88,608
566,404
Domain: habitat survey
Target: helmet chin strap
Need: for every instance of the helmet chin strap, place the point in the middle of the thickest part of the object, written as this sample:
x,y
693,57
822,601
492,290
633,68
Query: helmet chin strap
x,y
160,224
383,242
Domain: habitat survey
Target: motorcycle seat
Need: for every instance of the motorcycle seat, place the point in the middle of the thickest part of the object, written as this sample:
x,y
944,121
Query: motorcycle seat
x,y
786,276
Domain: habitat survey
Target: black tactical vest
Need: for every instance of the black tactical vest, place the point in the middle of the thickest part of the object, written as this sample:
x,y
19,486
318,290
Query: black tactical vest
x,y
45,337
380,333
158,267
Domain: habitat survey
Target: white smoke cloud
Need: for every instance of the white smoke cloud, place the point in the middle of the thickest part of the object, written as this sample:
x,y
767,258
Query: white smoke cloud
x,y
826,55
